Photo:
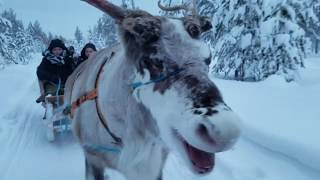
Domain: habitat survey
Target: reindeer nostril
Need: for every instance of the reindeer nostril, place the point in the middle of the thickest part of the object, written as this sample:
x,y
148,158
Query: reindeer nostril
x,y
210,112
202,130
204,133
198,112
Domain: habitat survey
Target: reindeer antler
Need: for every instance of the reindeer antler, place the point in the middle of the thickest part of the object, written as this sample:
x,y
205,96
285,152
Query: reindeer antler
x,y
173,8
189,7
114,11
194,8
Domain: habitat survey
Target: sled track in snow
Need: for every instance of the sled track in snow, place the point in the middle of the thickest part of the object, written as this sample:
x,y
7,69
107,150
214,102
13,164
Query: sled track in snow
x,y
25,151
19,132
312,174
25,137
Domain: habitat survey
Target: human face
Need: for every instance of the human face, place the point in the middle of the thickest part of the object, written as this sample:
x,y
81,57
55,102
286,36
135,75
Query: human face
x,y
57,51
89,52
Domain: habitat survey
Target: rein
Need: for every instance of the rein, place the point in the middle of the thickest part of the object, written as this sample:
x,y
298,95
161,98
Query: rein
x,y
161,78
93,95
101,149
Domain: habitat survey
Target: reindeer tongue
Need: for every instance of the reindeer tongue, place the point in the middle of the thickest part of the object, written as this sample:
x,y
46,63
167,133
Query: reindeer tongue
x,y
203,162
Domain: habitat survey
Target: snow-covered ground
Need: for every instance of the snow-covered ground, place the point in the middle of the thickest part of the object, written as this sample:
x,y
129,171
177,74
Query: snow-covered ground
x,y
280,138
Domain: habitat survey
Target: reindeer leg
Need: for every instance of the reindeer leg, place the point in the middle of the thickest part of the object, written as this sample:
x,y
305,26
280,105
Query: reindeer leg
x,y
93,172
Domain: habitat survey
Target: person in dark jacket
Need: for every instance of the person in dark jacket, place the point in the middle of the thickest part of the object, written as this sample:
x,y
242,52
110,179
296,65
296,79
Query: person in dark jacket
x,y
73,56
54,69
88,50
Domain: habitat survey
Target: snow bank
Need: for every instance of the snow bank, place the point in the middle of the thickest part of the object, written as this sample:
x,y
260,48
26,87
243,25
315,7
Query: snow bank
x,y
281,116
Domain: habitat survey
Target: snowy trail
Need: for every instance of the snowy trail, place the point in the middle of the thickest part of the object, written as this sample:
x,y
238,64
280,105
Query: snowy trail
x,y
249,161
25,153
28,155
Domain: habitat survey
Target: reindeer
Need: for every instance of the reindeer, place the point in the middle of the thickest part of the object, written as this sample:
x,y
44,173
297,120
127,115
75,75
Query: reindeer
x,y
134,103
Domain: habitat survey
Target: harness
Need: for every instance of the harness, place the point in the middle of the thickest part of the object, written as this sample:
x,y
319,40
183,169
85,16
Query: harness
x,y
161,78
93,95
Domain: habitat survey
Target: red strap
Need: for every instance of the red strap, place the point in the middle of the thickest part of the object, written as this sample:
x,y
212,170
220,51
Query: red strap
x,y
93,94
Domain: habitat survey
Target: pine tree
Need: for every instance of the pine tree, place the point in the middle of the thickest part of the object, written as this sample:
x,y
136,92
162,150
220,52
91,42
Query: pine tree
x,y
19,43
78,39
50,37
133,6
39,36
104,32
308,18
4,27
16,25
78,36
208,8
254,39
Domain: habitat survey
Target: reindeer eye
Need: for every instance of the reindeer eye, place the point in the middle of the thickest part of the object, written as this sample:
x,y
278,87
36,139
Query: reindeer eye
x,y
138,28
194,30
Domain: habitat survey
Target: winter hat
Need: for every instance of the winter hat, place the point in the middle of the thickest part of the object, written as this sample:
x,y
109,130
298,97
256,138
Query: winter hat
x,y
71,48
56,43
90,45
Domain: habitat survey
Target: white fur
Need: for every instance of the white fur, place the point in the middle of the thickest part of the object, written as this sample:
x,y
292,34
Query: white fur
x,y
173,112
144,119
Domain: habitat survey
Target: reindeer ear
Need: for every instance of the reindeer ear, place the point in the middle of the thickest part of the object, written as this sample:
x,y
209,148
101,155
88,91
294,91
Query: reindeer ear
x,y
205,23
145,30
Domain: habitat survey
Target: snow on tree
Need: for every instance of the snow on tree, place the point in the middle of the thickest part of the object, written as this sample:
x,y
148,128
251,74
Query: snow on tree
x,y
208,8
40,39
253,39
18,44
50,37
104,32
308,17
78,35
4,26
79,39
316,42
128,4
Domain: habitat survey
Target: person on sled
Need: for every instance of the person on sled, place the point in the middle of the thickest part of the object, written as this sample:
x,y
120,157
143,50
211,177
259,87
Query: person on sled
x,y
73,56
54,70
87,51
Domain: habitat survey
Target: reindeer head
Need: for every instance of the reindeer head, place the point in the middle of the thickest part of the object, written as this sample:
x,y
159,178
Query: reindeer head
x,y
171,80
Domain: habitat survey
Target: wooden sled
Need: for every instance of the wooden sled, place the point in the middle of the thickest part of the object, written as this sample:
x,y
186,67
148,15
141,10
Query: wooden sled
x,y
55,119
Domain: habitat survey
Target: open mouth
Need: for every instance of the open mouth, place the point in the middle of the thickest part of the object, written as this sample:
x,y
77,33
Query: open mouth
x,y
202,162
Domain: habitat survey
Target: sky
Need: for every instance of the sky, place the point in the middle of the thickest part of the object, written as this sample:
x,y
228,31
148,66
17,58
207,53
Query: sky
x,y
61,17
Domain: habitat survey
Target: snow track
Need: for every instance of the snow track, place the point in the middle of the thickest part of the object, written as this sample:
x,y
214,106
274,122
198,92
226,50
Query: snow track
x,y
248,161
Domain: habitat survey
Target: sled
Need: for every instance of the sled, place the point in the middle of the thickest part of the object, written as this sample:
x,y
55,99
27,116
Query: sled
x,y
55,120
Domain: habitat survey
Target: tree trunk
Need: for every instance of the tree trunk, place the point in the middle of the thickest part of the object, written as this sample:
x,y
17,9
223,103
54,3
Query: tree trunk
x,y
316,48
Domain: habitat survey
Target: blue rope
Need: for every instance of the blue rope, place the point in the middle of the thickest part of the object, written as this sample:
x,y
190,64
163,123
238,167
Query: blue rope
x,y
58,89
102,149
136,85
